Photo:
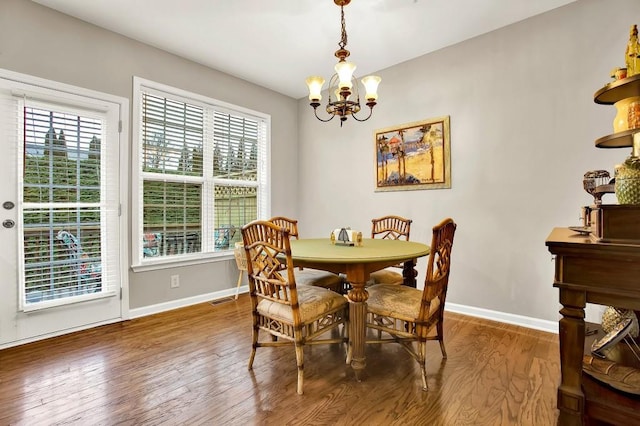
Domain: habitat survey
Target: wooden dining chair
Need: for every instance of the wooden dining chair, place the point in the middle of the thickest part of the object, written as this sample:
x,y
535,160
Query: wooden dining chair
x,y
410,315
288,313
392,228
241,263
308,276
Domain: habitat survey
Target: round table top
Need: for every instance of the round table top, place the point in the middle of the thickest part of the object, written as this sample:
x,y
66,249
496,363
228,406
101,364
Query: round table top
x,y
372,250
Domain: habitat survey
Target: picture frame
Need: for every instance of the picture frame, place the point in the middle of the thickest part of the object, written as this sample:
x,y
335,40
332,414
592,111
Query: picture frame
x,y
413,156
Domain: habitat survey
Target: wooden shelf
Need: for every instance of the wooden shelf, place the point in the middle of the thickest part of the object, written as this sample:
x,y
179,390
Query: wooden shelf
x,y
617,140
601,398
618,90
610,94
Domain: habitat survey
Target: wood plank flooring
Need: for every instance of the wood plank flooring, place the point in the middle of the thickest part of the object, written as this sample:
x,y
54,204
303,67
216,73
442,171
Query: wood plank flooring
x,y
189,367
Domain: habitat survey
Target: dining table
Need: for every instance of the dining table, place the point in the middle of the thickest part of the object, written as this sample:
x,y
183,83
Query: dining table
x,y
357,262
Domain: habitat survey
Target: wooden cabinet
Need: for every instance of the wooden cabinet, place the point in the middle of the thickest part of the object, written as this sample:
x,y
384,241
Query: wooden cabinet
x,y
601,268
587,271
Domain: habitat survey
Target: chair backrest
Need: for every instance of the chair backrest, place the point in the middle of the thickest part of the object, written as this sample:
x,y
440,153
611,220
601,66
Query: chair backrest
x,y
223,236
438,267
290,225
151,244
72,244
240,255
269,264
391,227
86,267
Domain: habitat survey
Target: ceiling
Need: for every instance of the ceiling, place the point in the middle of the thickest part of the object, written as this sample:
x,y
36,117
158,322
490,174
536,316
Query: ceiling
x,y
278,43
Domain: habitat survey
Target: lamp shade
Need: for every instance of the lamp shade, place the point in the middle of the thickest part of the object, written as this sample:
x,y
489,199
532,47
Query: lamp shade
x,y
315,84
371,83
345,71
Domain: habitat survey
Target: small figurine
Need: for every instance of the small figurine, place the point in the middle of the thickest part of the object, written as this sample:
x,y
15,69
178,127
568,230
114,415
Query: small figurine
x,y
618,73
632,53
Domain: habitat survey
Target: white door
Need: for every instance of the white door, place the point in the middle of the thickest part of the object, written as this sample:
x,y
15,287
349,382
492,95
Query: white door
x,y
59,210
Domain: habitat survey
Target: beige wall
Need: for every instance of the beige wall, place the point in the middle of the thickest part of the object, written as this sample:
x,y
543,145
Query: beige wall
x,y
523,126
39,41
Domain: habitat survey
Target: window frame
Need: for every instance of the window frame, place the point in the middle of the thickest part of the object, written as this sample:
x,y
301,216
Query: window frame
x,y
263,182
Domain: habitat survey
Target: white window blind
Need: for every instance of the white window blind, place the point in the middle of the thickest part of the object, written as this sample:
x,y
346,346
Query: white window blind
x,y
236,169
203,174
68,208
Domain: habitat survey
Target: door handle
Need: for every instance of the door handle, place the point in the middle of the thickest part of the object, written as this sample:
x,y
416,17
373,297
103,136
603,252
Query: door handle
x,y
8,223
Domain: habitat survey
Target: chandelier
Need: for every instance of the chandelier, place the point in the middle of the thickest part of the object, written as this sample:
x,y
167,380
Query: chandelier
x,y
343,99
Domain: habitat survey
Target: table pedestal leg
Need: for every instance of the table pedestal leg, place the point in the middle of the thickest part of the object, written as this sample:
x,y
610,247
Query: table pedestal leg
x,y
409,273
357,317
357,333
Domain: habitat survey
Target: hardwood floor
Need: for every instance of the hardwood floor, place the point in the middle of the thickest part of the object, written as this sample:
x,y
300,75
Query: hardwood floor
x,y
189,366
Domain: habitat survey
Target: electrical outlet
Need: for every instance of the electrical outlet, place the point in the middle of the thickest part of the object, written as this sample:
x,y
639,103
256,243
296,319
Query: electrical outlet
x,y
175,281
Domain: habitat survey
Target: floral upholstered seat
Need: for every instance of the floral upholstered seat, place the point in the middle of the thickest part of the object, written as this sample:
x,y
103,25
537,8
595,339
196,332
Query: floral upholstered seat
x,y
399,302
314,303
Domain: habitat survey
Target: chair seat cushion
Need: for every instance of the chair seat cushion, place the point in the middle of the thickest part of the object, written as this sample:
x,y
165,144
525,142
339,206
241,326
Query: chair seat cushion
x,y
318,278
314,303
397,301
385,276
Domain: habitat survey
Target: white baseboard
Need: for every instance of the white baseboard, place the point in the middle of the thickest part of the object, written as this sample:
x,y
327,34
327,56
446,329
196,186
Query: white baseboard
x,y
56,333
182,303
528,322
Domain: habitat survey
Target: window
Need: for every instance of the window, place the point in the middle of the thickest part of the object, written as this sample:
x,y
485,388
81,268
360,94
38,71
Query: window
x,y
202,173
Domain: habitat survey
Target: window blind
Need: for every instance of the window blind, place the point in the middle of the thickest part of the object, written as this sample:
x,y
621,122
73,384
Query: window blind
x,y
202,173
69,209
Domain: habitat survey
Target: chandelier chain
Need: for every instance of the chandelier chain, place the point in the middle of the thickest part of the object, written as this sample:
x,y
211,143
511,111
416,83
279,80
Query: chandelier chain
x,y
343,40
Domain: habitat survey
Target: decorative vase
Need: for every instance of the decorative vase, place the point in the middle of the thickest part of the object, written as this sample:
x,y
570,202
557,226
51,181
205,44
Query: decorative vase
x,y
627,184
621,120
628,181
634,115
612,316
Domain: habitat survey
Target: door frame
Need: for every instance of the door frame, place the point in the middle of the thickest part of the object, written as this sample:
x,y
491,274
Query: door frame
x,y
53,87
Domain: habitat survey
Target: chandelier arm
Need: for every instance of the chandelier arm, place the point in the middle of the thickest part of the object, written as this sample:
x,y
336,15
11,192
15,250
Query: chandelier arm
x,y
315,112
363,119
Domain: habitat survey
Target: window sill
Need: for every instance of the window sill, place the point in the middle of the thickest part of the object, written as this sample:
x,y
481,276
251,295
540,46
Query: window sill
x,y
65,301
184,260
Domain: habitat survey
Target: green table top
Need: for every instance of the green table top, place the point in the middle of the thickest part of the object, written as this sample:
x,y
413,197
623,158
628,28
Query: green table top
x,y
321,250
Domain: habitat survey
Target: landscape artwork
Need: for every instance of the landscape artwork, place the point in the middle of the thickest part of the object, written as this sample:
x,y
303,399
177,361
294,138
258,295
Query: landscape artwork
x,y
414,156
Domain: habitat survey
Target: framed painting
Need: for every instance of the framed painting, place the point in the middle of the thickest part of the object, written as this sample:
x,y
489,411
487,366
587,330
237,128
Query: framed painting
x,y
414,156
